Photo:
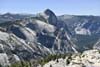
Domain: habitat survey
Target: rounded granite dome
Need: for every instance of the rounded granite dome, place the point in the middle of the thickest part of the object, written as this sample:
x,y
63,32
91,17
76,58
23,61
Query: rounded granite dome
x,y
49,12
52,19
49,17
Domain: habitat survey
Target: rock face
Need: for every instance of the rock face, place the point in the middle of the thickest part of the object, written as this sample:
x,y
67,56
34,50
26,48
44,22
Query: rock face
x,y
91,23
34,37
84,29
49,17
4,59
89,58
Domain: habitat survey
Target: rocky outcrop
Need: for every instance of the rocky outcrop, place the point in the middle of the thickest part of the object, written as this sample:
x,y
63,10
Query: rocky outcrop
x,y
34,37
49,17
89,58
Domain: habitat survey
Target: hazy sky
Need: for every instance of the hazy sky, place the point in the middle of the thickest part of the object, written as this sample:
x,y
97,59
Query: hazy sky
x,y
76,7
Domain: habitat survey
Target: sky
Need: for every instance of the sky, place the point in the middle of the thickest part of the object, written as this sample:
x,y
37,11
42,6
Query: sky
x,y
59,7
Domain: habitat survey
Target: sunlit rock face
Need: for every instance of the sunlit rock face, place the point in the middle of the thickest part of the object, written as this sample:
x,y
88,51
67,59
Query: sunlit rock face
x,y
4,59
26,37
82,31
89,58
49,17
